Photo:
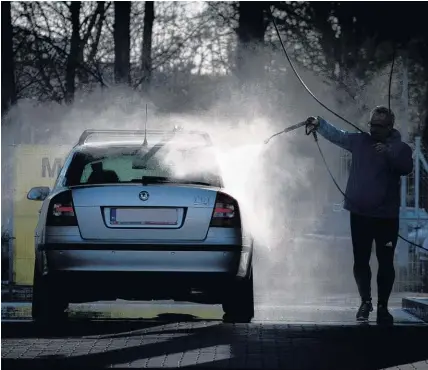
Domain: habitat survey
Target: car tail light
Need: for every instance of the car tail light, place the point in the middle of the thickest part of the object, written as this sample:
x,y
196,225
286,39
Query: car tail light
x,y
61,211
226,212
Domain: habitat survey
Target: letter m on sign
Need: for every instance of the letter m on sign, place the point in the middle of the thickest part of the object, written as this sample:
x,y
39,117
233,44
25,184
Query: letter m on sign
x,y
51,170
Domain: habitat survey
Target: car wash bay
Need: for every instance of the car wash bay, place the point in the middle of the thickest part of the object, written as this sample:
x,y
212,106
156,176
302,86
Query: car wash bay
x,y
299,323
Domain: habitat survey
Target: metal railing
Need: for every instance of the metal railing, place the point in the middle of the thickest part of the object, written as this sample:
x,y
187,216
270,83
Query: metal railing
x,y
412,268
7,276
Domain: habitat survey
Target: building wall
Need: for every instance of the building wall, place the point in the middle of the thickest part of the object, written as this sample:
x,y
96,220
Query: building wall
x,y
33,165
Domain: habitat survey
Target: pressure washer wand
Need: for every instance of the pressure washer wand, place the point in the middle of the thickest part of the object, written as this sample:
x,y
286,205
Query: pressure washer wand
x,y
288,129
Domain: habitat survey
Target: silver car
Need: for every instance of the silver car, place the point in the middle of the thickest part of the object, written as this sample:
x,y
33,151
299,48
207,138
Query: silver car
x,y
124,221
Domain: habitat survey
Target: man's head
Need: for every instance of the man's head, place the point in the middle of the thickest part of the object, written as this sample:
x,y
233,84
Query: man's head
x,y
381,123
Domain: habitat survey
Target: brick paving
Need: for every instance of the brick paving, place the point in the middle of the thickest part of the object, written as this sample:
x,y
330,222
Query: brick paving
x,y
285,334
179,342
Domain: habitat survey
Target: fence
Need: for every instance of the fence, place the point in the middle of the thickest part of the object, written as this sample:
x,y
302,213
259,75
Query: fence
x,y
413,265
5,260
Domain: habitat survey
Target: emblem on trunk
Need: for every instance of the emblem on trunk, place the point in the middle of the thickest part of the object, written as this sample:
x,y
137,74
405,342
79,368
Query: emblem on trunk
x,y
144,195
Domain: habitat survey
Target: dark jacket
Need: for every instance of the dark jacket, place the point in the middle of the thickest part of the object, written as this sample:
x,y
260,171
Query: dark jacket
x,y
373,187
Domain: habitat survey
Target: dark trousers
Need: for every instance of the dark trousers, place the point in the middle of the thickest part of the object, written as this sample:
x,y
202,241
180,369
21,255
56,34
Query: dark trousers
x,y
384,231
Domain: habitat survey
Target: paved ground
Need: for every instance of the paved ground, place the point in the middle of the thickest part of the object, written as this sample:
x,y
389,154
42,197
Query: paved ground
x,y
319,335
214,344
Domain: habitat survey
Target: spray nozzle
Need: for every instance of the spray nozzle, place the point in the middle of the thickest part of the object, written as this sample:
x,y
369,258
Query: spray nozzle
x,y
288,129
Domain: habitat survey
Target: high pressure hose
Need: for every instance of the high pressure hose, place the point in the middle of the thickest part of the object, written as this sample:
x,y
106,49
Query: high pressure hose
x,y
331,111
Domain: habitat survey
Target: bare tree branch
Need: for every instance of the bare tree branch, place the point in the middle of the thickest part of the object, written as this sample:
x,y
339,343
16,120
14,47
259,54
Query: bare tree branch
x,y
28,7
95,44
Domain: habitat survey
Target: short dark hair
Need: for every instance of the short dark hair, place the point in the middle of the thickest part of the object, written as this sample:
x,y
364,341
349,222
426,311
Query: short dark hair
x,y
381,109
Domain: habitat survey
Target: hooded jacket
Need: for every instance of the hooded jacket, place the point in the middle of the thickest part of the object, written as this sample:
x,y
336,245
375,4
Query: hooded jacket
x,y
373,187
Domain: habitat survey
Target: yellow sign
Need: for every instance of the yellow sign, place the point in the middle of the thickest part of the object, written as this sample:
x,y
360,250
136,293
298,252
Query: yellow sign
x,y
35,165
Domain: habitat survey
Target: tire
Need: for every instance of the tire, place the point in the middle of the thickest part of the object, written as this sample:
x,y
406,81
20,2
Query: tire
x,y
238,305
48,304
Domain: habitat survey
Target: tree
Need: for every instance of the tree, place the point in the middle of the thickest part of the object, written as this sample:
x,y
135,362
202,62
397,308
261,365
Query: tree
x,y
91,20
73,56
122,41
251,33
146,55
43,40
8,89
360,41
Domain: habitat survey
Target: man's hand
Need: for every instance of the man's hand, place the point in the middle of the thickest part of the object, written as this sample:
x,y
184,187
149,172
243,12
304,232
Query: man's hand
x,y
381,147
312,124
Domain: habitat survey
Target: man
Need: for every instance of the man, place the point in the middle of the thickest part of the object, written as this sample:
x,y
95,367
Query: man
x,y
373,199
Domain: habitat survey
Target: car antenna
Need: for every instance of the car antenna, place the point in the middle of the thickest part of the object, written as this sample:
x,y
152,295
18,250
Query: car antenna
x,y
145,143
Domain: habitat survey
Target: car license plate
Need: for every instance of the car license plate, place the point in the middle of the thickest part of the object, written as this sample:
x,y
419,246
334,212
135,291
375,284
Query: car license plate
x,y
143,216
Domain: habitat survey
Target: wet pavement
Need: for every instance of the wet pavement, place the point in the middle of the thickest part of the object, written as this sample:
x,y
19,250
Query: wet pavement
x,y
289,313
315,335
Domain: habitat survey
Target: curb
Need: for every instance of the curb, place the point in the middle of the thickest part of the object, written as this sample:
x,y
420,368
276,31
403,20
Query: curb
x,y
418,307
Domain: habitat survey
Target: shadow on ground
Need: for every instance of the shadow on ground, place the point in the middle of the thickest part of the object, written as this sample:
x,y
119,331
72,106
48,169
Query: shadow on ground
x,y
184,341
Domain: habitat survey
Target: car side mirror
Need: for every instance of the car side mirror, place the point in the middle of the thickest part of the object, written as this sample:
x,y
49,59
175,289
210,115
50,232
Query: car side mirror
x,y
38,193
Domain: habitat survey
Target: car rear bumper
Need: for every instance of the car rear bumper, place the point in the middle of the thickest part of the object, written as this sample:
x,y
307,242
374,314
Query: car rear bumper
x,y
224,251
122,258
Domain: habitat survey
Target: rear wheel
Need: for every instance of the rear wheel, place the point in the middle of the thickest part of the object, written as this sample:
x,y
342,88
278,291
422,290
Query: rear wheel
x,y
238,305
49,303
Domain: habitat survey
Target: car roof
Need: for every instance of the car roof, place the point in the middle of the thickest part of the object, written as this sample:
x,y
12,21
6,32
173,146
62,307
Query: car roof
x,y
135,137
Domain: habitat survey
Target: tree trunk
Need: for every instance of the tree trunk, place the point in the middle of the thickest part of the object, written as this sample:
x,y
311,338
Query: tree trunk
x,y
251,32
83,74
122,41
99,28
146,56
73,57
8,88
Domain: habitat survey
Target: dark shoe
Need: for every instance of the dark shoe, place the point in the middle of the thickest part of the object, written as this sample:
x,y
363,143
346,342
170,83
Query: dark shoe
x,y
383,315
364,311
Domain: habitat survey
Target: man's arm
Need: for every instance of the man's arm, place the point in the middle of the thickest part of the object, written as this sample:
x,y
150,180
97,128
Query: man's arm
x,y
401,159
341,138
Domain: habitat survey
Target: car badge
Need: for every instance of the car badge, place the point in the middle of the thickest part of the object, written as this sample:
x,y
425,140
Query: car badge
x,y
144,195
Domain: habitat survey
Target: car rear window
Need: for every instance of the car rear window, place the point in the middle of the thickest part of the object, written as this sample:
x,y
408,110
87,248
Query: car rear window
x,y
132,164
